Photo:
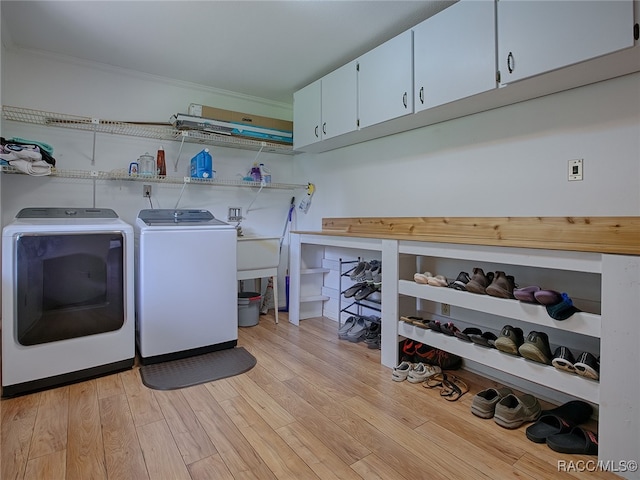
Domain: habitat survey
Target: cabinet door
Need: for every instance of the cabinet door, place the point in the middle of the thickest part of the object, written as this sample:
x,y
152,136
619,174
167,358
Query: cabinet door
x,y
455,53
306,115
385,81
535,37
340,101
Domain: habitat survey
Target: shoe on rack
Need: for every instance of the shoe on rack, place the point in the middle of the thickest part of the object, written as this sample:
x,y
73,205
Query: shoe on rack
x,y
486,339
563,359
449,329
512,411
460,283
563,309
510,339
351,291
408,347
364,292
484,403
526,294
479,281
547,297
536,348
587,365
434,356
358,272
401,372
422,278
464,334
502,286
437,281
357,332
346,326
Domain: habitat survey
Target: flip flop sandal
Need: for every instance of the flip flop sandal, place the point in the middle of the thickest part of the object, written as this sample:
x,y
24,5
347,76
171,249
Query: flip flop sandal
x,y
435,325
453,388
435,381
464,334
487,339
449,329
351,291
419,321
578,440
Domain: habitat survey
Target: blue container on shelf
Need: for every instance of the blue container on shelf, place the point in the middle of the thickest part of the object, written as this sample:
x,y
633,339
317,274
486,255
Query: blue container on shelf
x,y
202,165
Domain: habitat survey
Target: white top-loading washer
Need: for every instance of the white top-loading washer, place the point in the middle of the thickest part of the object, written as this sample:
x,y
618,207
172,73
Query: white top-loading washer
x,y
67,297
186,286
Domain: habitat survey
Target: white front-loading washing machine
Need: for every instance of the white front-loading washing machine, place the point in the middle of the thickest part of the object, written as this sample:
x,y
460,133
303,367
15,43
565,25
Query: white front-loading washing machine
x,y
67,297
186,284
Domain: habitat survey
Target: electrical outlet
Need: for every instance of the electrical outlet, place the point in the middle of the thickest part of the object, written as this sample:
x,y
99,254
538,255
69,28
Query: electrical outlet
x,y
575,169
146,191
235,214
445,309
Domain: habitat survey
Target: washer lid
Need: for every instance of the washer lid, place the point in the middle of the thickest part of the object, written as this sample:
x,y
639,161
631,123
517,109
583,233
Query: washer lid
x,y
71,212
169,216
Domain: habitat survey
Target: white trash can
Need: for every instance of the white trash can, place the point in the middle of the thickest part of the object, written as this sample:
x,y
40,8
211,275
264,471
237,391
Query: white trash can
x,y
248,308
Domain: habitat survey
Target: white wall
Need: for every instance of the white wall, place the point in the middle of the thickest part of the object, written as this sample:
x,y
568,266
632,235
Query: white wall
x,y
61,85
510,161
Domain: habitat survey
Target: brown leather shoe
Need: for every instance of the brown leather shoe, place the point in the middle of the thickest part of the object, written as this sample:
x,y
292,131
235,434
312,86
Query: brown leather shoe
x,y
502,286
479,281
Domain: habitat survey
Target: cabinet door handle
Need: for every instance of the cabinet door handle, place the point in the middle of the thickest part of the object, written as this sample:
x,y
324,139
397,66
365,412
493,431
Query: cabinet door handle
x,y
404,99
324,128
422,95
510,62
316,131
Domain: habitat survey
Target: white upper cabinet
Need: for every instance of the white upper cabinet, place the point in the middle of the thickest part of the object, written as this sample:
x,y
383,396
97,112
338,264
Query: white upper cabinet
x,y
340,101
385,81
326,108
535,36
307,115
455,54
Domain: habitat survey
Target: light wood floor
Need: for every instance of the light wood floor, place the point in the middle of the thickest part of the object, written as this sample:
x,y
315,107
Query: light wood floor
x,y
313,407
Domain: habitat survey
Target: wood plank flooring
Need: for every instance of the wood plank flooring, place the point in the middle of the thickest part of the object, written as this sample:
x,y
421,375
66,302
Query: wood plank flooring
x,y
314,407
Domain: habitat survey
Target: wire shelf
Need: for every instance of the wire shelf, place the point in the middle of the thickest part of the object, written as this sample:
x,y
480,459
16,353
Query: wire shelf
x,y
143,130
123,176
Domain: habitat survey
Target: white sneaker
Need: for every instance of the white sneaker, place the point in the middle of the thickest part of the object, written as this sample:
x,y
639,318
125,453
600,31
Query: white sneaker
x,y
401,372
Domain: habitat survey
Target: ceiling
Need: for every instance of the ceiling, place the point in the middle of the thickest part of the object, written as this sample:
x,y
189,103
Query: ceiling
x,y
265,49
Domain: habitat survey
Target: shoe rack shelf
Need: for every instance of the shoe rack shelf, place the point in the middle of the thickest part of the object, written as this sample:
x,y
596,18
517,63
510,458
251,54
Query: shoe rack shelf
x,y
493,313
539,373
583,323
359,304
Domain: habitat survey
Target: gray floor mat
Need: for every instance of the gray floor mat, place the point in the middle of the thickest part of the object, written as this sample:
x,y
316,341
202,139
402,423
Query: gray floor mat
x,y
198,369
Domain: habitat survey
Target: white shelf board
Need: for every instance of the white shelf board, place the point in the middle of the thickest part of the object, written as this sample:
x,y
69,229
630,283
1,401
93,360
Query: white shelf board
x,y
535,372
580,322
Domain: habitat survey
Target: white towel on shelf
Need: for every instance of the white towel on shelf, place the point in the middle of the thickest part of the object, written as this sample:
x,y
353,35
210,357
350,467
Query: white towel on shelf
x,y
37,168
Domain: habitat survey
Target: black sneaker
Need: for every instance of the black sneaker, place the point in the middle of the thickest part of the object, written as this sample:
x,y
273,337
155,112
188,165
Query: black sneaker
x,y
510,340
536,348
460,283
588,366
563,359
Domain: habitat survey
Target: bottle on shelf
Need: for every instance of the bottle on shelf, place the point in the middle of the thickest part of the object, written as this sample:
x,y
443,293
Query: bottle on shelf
x,y
161,163
265,174
255,173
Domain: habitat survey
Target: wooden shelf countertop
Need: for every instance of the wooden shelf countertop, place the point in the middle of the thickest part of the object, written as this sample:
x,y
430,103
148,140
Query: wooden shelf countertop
x,y
617,235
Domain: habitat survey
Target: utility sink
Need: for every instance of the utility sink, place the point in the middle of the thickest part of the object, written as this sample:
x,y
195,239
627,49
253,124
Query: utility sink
x,y
255,253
